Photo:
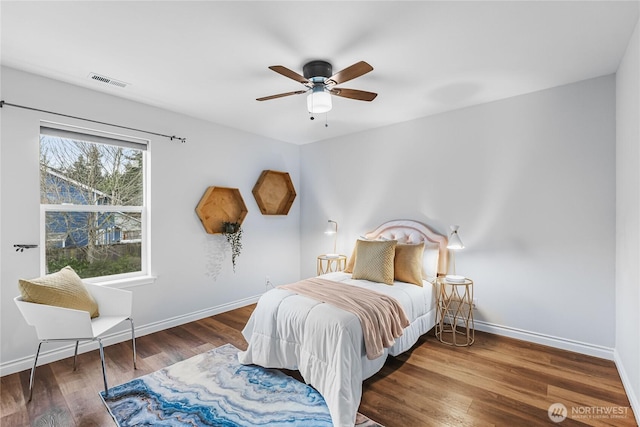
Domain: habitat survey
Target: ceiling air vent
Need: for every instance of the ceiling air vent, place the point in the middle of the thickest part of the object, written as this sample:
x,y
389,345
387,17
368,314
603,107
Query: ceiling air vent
x,y
107,80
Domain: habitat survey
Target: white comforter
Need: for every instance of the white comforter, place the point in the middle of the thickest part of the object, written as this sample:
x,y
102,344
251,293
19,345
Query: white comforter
x,y
325,343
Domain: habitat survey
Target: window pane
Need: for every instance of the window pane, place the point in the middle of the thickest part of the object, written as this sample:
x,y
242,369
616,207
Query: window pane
x,y
87,173
94,243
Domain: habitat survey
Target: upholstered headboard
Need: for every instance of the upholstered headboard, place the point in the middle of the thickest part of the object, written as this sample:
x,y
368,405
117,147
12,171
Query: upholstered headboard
x,y
436,254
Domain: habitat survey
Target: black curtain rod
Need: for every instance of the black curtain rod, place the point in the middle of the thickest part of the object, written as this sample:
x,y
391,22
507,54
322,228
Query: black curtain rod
x,y
171,137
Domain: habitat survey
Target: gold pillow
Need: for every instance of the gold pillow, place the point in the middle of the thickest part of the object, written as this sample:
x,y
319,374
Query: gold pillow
x,y
61,289
354,254
407,266
374,260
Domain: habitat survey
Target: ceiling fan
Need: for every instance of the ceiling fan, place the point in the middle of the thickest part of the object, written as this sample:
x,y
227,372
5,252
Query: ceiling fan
x,y
320,84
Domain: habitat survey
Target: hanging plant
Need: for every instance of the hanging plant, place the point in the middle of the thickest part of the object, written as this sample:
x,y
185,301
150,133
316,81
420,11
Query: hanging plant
x,y
233,232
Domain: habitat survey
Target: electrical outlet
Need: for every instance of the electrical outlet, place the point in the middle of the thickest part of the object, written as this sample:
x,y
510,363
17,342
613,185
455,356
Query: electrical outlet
x,y
475,303
267,283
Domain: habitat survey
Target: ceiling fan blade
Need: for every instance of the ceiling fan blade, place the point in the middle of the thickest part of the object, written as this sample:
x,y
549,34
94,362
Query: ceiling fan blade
x,y
349,73
280,95
360,95
289,73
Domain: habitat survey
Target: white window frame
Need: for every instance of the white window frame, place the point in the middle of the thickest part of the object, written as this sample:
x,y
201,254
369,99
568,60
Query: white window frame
x,y
124,280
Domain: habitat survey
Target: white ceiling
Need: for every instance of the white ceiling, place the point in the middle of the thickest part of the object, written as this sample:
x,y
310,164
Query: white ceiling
x,y
209,59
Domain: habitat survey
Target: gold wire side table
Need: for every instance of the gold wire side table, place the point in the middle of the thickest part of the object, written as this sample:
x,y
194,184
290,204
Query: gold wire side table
x,y
454,321
330,263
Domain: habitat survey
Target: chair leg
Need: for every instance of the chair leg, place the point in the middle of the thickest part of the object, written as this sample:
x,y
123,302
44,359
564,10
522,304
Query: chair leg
x,y
33,372
133,342
75,356
104,371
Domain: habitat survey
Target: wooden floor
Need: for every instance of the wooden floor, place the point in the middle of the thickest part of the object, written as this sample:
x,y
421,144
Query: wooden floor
x,y
498,381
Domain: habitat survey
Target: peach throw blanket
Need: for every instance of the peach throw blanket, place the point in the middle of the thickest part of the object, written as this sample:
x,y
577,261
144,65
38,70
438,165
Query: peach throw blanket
x,y
381,316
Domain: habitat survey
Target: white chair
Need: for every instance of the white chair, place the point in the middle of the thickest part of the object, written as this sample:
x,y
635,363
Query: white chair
x,y
62,324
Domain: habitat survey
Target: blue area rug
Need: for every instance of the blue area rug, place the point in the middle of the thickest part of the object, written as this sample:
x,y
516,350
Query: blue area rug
x,y
214,389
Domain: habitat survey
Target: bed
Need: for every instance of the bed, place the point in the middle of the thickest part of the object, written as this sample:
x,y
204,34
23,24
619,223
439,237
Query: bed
x,y
326,344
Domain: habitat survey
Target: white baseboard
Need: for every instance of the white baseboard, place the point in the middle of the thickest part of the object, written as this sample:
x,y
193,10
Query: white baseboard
x,y
548,340
631,395
59,353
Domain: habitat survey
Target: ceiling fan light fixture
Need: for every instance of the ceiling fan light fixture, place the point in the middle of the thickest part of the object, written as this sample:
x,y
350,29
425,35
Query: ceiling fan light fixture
x,y
318,100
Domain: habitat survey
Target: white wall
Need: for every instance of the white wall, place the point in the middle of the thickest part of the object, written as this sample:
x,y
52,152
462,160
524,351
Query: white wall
x,y
628,220
181,250
531,182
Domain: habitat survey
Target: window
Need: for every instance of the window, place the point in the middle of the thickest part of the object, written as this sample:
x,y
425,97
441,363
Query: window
x,y
93,203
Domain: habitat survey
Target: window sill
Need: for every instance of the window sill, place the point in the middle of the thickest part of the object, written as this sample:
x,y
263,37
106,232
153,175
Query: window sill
x,y
128,282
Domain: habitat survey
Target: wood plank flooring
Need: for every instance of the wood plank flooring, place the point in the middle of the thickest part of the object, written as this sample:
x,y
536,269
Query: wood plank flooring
x,y
496,382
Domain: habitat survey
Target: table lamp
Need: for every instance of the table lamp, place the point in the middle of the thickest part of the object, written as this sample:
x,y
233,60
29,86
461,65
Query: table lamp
x,y
332,228
455,244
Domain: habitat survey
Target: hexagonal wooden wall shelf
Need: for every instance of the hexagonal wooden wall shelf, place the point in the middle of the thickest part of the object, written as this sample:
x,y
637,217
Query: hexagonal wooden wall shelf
x,y
218,205
274,192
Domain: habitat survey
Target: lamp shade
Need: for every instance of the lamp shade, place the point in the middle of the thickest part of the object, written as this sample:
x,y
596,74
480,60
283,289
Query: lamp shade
x,y
318,101
454,238
332,227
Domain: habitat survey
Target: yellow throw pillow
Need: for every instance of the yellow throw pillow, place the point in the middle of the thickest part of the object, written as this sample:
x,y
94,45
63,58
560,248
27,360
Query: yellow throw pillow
x,y
354,254
407,266
61,289
374,260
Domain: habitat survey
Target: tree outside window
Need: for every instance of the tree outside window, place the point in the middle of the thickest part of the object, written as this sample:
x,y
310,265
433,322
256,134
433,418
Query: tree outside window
x,y
92,198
